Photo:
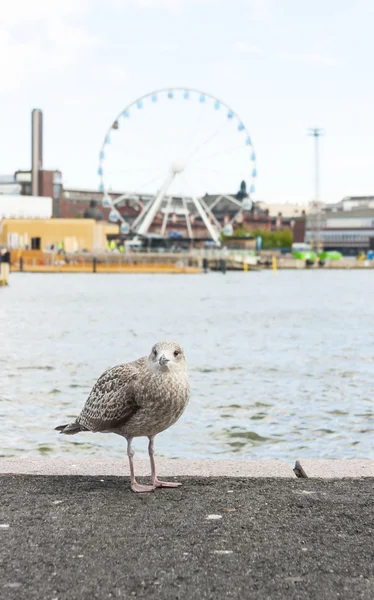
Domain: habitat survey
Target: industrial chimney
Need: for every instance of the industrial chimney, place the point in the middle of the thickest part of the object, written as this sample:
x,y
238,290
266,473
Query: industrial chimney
x,y
36,150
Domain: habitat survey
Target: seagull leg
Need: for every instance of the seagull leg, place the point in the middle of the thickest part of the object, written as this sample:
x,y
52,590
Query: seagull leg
x,y
135,486
156,482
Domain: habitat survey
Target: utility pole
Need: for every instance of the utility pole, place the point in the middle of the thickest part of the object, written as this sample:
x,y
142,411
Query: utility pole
x,y
317,132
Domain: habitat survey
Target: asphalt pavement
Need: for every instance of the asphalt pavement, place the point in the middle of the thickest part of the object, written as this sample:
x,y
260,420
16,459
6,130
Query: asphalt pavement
x,y
81,537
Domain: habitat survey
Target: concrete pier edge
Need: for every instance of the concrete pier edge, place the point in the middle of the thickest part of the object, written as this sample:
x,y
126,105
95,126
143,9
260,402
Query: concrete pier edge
x,y
303,468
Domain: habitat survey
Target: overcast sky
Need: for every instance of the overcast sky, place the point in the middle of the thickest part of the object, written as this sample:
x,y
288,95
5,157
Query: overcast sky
x,y
283,65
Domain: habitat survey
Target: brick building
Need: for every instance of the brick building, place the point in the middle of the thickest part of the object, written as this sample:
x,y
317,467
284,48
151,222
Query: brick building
x,y
73,203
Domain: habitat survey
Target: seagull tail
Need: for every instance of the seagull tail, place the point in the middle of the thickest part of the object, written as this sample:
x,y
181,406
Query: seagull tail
x,y
71,428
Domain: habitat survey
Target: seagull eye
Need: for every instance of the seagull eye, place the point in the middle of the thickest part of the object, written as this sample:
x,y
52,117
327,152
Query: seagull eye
x,y
176,353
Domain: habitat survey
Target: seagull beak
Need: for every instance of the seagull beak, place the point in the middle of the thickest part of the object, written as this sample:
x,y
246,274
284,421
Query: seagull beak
x,y
163,360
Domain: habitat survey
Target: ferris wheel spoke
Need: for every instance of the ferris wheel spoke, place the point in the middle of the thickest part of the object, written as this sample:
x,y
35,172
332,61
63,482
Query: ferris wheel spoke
x,y
122,144
137,175
188,177
223,153
195,130
135,170
133,156
154,180
207,169
206,141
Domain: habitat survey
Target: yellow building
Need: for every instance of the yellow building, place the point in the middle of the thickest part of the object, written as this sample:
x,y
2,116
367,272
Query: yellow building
x,y
41,234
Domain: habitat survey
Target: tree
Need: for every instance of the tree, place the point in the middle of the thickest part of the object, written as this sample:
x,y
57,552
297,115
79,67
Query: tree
x,y
274,239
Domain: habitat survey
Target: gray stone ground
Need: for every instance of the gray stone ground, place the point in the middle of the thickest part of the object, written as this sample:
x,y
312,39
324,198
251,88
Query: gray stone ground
x,y
81,537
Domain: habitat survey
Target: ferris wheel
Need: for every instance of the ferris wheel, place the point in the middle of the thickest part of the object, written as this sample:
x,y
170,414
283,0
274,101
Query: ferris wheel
x,y
178,153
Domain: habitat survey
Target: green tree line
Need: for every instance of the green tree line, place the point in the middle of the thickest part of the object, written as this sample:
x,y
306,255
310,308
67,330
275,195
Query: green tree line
x,y
270,239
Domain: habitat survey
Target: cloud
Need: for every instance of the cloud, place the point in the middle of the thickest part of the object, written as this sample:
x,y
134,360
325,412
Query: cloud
x,y
310,57
45,37
246,48
116,74
160,46
71,35
166,4
41,37
170,5
40,11
259,10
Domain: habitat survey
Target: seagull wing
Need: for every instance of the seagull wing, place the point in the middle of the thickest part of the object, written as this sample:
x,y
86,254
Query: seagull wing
x,y
111,402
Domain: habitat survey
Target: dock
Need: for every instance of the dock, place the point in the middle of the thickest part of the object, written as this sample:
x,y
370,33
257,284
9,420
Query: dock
x,y
108,268
70,529
192,262
5,259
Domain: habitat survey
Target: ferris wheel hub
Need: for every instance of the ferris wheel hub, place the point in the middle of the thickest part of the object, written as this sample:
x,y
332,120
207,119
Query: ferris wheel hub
x,y
177,166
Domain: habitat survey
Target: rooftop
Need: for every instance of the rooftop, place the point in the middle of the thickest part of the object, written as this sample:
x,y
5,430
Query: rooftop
x,y
352,214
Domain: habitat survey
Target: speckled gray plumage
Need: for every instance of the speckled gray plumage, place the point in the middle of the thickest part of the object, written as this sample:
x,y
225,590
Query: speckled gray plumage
x,y
136,399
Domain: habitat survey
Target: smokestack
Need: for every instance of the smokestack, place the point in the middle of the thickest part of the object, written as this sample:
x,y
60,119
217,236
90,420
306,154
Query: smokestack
x,y
36,149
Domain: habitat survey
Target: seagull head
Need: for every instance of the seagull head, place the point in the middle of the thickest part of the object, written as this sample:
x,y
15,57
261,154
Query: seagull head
x,y
167,356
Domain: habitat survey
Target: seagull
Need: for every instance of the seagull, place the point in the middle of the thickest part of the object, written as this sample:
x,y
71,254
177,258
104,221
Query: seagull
x,y
136,399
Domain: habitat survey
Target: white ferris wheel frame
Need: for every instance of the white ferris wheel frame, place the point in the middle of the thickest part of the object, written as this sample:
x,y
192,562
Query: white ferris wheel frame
x,y
143,221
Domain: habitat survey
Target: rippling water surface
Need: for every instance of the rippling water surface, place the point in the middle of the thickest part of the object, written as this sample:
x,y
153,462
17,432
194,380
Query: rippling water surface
x,y
281,366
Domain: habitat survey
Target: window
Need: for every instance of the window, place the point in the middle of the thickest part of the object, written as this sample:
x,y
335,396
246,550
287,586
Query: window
x,y
35,243
56,191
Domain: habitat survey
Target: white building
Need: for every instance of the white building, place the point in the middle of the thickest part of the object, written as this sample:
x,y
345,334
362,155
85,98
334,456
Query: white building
x,y
348,231
25,207
351,203
288,211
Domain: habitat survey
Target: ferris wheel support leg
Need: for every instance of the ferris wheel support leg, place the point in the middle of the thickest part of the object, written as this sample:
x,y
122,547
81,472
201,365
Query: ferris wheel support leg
x,y
154,208
238,214
142,214
213,231
166,216
210,213
188,220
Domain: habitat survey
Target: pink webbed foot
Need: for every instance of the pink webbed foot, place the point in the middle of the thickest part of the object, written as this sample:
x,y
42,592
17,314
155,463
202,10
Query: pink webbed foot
x,y
156,482
137,487
170,484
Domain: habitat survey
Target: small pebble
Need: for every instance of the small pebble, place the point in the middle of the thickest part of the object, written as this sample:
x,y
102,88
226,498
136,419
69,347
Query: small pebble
x,y
222,552
4,526
214,517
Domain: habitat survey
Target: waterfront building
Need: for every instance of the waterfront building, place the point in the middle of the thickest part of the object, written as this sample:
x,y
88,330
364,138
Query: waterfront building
x,y
43,235
346,226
